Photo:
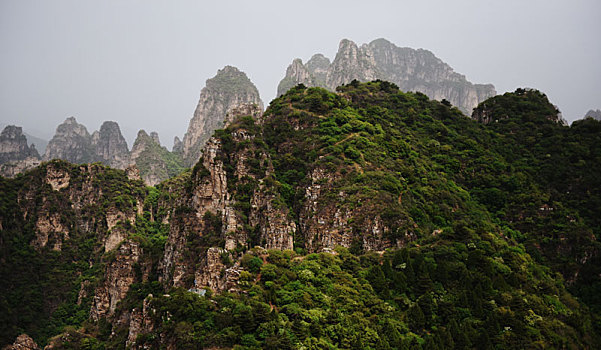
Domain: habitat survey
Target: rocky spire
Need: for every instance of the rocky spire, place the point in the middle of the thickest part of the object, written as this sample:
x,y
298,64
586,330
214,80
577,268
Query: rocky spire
x,y
229,88
72,142
109,146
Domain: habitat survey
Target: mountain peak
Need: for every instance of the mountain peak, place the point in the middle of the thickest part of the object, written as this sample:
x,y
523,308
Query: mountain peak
x,y
410,69
229,88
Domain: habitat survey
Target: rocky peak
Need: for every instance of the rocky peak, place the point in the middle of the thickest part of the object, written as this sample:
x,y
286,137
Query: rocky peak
x,y
110,145
155,137
593,114
297,73
178,146
351,63
154,162
318,67
410,69
229,88
13,145
71,142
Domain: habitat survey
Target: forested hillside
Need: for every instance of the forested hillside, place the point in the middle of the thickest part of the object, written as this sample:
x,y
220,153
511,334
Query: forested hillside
x,y
368,218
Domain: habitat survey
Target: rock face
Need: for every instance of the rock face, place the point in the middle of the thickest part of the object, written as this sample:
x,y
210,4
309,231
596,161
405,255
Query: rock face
x,y
155,162
410,69
119,275
593,114
109,146
73,143
228,89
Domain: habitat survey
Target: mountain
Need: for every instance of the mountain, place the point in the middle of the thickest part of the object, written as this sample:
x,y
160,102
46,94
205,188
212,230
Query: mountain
x,y
154,161
410,69
365,218
16,155
109,146
40,144
593,114
71,142
13,145
226,90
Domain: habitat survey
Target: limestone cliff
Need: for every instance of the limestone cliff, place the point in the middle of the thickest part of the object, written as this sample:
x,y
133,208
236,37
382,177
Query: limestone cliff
x,y
228,89
410,69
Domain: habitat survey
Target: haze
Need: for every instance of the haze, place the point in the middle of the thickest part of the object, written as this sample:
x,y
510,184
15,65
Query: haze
x,y
143,63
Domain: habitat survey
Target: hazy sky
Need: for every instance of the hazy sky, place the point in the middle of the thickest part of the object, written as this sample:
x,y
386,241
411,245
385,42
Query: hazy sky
x,y
143,63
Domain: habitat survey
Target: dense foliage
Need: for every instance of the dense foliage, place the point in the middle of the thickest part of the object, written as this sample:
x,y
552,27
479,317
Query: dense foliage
x,y
498,225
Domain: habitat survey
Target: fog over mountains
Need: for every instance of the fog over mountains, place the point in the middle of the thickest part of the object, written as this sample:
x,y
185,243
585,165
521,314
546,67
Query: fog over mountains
x,y
144,66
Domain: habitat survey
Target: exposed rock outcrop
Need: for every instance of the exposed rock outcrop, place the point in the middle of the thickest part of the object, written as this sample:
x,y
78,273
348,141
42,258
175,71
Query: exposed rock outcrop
x,y
228,89
410,69
23,342
119,275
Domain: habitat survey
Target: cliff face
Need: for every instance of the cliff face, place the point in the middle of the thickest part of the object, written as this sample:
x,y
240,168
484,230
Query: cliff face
x,y
411,70
228,89
75,222
154,161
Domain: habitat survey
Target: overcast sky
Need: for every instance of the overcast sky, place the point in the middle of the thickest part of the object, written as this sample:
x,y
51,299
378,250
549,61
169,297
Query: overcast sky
x,y
143,63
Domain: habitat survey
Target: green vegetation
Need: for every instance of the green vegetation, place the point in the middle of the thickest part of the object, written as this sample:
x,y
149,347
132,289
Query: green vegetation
x,y
492,232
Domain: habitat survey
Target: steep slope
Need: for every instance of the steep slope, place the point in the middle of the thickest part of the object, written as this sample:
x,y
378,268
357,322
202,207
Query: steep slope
x,y
226,90
57,222
412,70
366,218
154,161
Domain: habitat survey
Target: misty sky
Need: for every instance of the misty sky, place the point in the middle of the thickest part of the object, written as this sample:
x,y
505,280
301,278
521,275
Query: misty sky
x,y
143,63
